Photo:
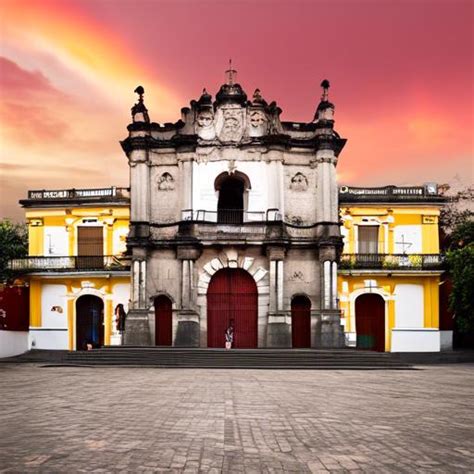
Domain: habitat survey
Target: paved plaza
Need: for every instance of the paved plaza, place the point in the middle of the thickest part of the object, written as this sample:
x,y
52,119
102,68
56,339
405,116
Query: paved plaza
x,y
148,420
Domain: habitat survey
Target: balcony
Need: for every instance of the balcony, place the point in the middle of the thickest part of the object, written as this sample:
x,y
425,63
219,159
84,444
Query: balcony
x,y
426,193
230,216
69,264
381,261
56,197
234,225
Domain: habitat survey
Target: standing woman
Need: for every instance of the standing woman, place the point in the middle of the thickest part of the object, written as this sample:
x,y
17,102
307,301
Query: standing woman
x,y
229,335
120,316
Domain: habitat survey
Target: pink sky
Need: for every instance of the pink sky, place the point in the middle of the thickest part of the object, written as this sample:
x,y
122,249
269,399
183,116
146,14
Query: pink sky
x,y
401,74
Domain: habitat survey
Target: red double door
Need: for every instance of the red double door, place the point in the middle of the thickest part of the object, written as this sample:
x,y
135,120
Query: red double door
x,y
232,297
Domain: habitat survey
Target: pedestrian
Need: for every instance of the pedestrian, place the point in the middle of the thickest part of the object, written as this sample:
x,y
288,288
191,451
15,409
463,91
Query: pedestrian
x,y
120,316
229,335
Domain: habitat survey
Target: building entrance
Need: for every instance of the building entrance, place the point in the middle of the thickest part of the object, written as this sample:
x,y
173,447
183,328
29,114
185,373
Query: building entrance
x,y
232,297
370,322
301,322
89,322
163,321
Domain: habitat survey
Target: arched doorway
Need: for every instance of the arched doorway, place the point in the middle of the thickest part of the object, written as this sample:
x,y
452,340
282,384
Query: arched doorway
x,y
301,322
89,321
370,322
231,205
163,321
232,295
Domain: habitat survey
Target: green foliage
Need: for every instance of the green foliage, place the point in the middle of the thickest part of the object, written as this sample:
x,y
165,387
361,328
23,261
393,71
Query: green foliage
x,y
461,300
463,234
457,211
13,244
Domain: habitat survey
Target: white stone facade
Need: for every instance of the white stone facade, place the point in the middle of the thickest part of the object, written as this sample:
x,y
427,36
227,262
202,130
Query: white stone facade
x,y
231,186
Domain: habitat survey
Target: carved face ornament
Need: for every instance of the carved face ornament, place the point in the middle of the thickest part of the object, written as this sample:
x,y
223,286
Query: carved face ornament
x,y
205,119
299,182
231,120
257,119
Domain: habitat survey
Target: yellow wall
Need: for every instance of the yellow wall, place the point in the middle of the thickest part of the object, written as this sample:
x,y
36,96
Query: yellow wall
x,y
348,284
102,287
392,216
115,219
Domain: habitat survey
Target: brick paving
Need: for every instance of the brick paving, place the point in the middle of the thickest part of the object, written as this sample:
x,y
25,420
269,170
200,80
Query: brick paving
x,y
243,421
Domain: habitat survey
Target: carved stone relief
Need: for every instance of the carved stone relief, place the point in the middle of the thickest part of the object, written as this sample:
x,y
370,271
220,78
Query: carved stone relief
x,y
205,125
166,182
298,275
258,123
299,182
232,125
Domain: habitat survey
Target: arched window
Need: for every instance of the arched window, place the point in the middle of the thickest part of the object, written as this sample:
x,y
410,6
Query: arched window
x,y
231,203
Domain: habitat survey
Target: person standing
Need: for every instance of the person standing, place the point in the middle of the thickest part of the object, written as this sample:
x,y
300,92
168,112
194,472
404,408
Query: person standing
x,y
120,316
229,335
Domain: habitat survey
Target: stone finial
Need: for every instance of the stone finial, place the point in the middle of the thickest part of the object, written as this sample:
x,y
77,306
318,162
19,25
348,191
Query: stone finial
x,y
139,111
231,74
325,85
257,98
205,101
325,110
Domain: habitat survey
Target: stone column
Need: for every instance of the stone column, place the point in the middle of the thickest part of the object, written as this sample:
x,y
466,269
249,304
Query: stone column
x,y
278,332
187,324
329,329
137,327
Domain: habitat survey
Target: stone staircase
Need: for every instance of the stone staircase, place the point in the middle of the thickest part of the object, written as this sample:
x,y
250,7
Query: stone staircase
x,y
235,358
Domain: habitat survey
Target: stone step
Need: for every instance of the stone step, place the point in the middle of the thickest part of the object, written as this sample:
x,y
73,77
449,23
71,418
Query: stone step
x,y
235,358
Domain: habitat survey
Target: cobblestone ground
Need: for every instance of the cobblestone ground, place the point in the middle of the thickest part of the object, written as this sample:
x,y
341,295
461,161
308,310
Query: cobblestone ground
x,y
148,420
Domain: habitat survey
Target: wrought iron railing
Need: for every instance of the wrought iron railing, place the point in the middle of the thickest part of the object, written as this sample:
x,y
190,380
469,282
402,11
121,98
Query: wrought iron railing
x,y
391,261
96,193
73,263
390,193
230,216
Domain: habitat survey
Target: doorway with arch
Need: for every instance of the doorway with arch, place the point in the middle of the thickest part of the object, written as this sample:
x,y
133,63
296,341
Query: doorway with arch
x,y
89,322
232,298
301,322
370,322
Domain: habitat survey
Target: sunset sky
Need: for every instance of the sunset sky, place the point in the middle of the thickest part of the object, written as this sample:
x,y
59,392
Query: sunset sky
x,y
401,75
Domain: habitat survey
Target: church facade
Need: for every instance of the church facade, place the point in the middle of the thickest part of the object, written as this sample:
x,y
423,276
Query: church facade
x,y
234,220
232,217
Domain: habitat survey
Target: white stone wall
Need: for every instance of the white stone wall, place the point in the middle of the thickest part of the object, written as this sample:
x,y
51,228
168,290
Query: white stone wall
x,y
263,194
55,241
54,306
409,306
407,239
13,343
45,338
121,294
416,340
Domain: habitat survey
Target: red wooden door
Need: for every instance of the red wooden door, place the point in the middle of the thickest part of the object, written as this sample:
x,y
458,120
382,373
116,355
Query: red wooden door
x,y
301,321
232,295
163,321
370,322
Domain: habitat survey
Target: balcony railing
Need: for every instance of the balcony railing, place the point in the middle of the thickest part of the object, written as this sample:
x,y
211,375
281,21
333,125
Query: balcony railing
x,y
230,216
75,263
383,261
79,194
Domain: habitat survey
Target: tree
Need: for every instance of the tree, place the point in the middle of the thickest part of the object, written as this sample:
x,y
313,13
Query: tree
x,y
457,240
13,244
457,211
461,301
